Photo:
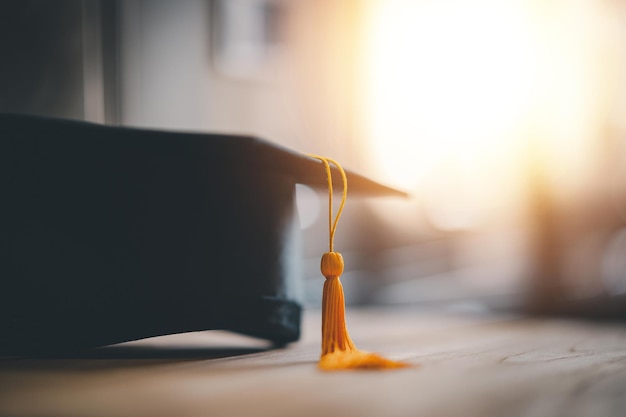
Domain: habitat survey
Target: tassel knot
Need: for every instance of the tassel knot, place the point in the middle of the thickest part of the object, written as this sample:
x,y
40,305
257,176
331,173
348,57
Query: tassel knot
x,y
332,265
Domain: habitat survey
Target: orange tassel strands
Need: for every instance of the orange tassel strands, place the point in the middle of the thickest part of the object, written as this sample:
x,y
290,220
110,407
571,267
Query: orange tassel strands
x,y
338,350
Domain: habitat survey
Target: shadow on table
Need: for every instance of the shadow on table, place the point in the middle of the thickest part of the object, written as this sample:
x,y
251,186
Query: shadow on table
x,y
122,356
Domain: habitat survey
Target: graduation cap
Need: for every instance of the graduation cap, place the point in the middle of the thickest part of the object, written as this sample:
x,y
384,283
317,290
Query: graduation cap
x,y
111,234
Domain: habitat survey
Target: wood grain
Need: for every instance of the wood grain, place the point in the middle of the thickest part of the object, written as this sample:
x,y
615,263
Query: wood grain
x,y
485,366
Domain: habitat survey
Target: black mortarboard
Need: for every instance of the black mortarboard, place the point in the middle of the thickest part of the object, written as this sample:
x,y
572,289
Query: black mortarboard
x,y
111,234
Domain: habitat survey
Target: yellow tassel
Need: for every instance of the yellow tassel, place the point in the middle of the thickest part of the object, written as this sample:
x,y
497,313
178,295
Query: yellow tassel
x,y
338,350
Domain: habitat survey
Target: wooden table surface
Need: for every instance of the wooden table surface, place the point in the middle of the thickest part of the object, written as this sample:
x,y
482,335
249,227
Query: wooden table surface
x,y
468,366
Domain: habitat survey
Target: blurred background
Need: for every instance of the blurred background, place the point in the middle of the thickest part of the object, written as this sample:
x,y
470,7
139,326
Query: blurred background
x,y
504,120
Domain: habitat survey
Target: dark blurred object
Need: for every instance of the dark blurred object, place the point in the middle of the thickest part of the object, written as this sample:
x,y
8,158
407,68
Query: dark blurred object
x,y
113,234
41,46
58,59
577,240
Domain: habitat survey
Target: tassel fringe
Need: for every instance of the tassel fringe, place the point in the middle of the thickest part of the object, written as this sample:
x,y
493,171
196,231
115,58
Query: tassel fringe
x,y
338,349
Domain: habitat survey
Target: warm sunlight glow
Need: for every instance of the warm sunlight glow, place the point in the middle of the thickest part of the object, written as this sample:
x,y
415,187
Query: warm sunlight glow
x,y
446,79
455,91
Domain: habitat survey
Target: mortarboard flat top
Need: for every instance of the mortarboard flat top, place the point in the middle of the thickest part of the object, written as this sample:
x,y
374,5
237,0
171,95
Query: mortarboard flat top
x,y
113,234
